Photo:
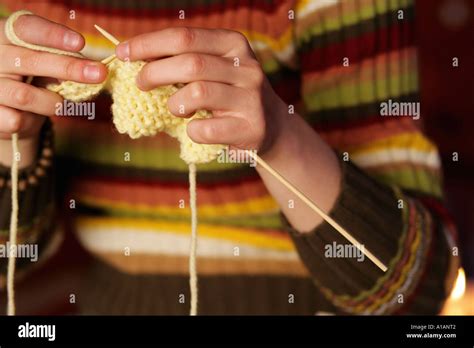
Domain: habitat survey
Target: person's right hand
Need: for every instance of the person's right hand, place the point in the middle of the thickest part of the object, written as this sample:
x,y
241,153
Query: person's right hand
x,y
23,106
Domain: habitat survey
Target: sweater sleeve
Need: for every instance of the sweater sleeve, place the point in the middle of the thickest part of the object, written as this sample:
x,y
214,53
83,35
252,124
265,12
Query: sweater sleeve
x,y
357,58
36,223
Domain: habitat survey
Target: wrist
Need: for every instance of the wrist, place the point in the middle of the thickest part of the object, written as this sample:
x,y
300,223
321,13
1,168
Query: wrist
x,y
304,159
283,140
275,127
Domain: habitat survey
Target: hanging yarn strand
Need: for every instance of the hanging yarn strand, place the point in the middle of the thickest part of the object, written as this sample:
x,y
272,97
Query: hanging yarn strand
x,y
11,308
13,228
193,280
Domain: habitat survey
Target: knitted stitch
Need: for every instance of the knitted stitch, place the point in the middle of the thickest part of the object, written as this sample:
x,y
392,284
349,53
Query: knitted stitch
x,y
138,113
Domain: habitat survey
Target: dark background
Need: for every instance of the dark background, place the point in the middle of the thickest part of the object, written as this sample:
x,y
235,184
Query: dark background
x,y
445,29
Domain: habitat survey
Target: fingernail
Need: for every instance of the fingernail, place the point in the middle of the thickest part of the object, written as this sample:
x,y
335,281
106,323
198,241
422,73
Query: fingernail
x,y
71,40
123,51
92,72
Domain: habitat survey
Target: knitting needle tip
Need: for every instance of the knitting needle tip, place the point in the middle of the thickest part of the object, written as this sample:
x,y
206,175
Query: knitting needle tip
x,y
109,36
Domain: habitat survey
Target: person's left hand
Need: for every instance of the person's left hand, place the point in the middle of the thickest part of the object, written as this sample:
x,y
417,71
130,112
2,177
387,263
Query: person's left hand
x,y
221,74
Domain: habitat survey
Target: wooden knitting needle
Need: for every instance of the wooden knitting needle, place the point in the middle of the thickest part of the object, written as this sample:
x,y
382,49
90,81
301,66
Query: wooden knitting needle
x,y
290,187
318,210
112,39
107,35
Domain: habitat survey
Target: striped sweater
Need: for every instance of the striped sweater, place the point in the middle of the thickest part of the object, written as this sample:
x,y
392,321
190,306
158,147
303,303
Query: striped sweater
x,y
126,200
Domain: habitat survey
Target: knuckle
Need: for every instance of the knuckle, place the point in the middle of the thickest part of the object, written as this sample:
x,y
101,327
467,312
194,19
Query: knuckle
x,y
198,90
31,61
256,73
145,75
185,37
254,64
54,33
240,40
172,103
141,47
16,123
196,65
53,101
10,121
260,132
69,69
22,96
259,79
209,133
239,37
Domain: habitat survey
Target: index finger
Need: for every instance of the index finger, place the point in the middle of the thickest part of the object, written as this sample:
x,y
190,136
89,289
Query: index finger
x,y
43,32
174,41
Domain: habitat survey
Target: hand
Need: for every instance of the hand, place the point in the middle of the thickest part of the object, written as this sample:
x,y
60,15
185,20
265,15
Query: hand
x,y
221,75
247,112
20,103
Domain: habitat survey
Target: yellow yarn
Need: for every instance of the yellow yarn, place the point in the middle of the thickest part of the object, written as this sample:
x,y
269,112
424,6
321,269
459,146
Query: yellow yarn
x,y
13,228
193,282
136,113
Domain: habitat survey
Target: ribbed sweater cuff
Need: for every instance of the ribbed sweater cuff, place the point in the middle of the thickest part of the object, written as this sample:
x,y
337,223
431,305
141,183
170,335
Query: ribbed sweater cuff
x,y
35,185
35,200
397,229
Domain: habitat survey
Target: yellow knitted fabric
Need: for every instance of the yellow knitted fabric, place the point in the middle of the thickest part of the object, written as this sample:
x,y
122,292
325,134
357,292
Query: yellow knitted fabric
x,y
138,113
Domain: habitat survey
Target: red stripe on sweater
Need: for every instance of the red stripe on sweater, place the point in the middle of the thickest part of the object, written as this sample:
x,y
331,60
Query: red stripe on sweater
x,y
357,49
174,184
190,11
